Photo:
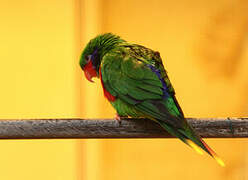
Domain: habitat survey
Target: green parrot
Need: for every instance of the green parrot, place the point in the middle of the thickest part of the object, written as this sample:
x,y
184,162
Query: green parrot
x,y
135,82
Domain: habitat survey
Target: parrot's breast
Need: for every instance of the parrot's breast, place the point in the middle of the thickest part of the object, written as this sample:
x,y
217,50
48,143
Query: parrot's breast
x,y
107,94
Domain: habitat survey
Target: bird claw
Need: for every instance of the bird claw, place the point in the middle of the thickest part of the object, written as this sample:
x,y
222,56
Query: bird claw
x,y
119,118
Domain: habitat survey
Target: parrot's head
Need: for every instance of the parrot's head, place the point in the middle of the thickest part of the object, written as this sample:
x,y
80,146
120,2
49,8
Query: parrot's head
x,y
94,51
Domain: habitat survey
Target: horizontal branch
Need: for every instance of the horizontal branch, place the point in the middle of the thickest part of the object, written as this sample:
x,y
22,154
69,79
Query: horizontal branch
x,y
129,128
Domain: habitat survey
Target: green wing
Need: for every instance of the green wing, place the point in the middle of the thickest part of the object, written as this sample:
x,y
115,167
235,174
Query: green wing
x,y
129,77
136,76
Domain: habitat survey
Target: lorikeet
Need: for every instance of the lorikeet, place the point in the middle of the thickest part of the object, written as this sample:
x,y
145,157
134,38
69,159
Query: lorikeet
x,y
136,84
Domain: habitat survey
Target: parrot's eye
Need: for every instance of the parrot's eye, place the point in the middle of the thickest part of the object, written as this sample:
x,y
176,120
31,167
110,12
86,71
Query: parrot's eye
x,y
88,58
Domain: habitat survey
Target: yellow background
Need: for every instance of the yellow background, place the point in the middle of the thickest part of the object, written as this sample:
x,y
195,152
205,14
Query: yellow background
x,y
204,47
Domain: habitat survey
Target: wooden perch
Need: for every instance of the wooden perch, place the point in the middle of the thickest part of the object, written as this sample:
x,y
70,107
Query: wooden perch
x,y
129,128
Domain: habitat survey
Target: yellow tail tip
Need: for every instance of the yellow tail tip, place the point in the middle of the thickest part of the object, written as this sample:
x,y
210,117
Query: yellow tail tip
x,y
219,161
194,146
200,151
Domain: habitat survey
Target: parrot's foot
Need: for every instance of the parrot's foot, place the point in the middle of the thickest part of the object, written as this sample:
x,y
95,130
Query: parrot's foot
x,y
118,118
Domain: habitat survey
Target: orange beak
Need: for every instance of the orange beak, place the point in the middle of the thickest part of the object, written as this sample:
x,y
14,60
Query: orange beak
x,y
89,71
88,76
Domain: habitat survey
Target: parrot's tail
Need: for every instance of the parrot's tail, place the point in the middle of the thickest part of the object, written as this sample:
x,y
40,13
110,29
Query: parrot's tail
x,y
189,137
209,150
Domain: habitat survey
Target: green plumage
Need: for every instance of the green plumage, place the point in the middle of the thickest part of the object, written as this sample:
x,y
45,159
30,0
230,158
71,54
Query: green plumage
x,y
136,76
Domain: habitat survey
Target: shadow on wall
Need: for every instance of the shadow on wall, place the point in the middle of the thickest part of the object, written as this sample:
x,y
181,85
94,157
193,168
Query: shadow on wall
x,y
222,47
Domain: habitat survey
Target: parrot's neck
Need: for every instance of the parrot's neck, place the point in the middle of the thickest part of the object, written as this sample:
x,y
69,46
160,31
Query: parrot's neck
x,y
108,46
103,50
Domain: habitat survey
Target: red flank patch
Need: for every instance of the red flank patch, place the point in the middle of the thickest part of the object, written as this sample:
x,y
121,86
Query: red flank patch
x,y
107,94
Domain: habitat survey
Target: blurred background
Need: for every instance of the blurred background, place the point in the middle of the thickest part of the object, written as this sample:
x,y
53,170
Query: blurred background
x,y
204,46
